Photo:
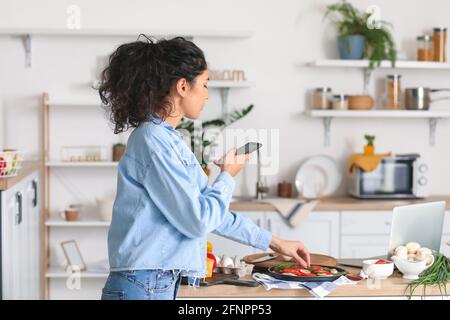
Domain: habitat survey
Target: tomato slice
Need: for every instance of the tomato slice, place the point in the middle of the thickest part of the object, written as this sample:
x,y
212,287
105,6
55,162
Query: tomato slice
x,y
381,262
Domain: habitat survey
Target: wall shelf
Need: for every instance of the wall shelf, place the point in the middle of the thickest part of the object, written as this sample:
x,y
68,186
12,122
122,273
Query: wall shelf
x,y
109,164
400,64
28,33
225,87
328,115
57,222
367,72
60,272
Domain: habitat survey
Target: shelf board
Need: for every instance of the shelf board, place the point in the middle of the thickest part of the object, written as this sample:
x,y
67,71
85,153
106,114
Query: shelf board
x,y
400,64
328,115
59,272
229,84
377,114
126,32
71,104
109,164
57,222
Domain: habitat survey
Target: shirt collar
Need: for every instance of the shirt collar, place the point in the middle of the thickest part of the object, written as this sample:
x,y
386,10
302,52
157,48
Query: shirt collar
x,y
159,121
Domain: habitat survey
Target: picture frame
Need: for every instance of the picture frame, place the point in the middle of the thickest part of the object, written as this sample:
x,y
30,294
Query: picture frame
x,y
73,254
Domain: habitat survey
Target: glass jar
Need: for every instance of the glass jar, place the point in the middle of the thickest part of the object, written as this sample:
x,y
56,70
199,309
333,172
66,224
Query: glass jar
x,y
393,91
425,48
440,43
321,98
340,102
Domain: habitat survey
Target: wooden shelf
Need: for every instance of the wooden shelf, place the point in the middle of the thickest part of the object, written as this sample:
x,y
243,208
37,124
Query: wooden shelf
x,y
107,164
400,64
57,222
59,272
328,115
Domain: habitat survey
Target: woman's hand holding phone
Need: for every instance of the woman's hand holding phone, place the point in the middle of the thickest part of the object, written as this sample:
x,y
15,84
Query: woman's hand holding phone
x,y
231,162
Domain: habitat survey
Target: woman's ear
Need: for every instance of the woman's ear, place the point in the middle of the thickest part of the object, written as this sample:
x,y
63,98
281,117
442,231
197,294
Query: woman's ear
x,y
182,87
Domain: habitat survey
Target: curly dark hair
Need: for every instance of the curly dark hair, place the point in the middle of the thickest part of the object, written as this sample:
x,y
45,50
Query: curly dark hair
x,y
140,74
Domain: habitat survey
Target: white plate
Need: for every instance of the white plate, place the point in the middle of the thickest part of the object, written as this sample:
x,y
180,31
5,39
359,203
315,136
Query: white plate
x,y
318,176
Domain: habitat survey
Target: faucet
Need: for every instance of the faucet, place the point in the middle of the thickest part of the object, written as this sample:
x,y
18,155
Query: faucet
x,y
261,189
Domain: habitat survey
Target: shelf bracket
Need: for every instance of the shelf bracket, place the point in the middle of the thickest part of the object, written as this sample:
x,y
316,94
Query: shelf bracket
x,y
224,93
27,51
327,130
432,134
367,77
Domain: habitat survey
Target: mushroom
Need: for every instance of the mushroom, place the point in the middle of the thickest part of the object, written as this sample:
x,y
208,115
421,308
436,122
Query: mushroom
x,y
412,247
400,251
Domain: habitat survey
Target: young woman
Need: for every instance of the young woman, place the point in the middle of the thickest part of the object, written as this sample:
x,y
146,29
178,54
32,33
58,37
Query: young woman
x,y
164,208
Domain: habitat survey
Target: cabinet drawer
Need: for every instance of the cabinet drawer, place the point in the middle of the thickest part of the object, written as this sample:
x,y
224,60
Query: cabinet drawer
x,y
367,222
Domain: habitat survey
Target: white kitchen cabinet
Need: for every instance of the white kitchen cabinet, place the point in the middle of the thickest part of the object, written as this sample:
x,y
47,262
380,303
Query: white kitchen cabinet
x,y
229,247
366,222
319,232
364,246
20,240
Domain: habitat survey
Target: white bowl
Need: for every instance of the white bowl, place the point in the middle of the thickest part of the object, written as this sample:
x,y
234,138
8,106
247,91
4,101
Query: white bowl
x,y
411,269
378,271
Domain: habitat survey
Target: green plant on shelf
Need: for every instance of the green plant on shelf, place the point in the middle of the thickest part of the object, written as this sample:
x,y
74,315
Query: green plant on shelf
x,y
379,44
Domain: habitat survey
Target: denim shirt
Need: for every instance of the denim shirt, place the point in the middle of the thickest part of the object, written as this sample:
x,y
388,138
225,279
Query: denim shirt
x,y
164,208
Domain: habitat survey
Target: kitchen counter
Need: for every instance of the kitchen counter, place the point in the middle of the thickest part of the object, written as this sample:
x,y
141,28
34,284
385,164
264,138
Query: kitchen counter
x,y
341,203
394,286
28,167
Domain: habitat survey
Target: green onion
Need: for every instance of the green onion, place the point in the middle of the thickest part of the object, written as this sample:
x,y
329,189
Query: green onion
x,y
436,275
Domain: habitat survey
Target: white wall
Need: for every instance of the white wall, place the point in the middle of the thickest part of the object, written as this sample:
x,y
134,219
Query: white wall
x,y
286,35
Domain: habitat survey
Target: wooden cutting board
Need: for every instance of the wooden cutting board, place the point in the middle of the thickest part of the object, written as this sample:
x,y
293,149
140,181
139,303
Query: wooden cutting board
x,y
316,259
222,278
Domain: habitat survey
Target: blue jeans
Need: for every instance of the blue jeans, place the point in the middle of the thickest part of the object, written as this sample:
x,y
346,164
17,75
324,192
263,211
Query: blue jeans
x,y
142,285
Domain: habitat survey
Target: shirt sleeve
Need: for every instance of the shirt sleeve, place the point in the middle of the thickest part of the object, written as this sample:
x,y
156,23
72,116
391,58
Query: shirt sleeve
x,y
243,230
192,212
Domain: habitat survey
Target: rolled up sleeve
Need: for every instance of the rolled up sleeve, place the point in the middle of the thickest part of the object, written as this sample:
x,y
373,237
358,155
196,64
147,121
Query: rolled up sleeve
x,y
243,230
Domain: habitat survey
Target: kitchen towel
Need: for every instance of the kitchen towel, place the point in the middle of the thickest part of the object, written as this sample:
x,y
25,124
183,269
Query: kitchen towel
x,y
366,163
317,289
293,210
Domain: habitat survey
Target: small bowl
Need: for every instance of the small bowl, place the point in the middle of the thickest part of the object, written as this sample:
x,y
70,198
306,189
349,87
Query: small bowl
x,y
378,271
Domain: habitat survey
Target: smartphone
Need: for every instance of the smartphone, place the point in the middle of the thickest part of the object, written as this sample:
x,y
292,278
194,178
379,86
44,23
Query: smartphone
x,y
249,147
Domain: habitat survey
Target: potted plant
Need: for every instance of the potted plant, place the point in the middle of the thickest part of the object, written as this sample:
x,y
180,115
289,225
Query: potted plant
x,y
202,142
369,148
358,38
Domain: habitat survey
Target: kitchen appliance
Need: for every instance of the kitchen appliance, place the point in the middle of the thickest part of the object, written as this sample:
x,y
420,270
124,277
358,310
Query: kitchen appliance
x,y
398,176
419,98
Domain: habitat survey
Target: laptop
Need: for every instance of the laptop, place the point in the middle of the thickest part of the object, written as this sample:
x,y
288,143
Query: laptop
x,y
422,223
